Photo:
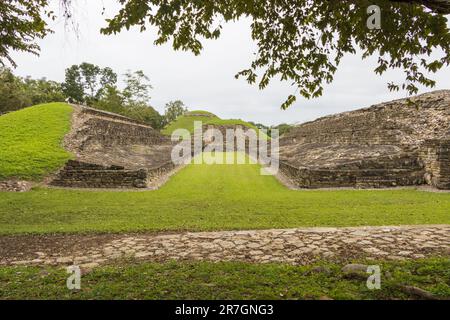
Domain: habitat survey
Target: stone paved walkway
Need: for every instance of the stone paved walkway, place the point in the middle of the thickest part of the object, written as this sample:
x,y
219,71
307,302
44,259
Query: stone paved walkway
x,y
294,246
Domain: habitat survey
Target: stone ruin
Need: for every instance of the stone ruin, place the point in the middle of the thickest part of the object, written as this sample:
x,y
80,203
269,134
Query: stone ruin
x,y
112,151
404,142
399,143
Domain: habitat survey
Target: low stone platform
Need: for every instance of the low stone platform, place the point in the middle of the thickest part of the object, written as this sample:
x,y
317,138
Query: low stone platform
x,y
78,174
325,166
299,246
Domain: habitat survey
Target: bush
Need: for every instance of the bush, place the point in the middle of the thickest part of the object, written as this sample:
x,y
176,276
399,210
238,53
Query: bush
x,y
113,100
17,93
147,115
13,95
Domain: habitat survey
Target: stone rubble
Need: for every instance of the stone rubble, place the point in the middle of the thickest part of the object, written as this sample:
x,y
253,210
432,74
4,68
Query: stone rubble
x,y
15,186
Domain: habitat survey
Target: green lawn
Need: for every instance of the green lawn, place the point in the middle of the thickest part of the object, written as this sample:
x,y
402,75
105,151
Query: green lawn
x,y
31,141
215,197
230,280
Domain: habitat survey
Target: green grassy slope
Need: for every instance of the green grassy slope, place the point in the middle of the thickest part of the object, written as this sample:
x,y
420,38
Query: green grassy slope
x,y
187,121
200,112
216,197
30,141
224,280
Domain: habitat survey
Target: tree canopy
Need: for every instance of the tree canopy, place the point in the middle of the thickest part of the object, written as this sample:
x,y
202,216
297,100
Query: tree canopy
x,y
300,41
137,88
304,41
173,110
17,92
86,82
21,23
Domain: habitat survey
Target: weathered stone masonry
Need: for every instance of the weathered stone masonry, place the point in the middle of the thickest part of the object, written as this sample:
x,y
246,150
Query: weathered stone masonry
x,y
113,151
436,156
87,175
294,246
107,133
399,143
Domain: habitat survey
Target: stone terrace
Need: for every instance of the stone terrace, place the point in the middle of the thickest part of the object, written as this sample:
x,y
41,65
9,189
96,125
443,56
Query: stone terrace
x,y
398,143
113,151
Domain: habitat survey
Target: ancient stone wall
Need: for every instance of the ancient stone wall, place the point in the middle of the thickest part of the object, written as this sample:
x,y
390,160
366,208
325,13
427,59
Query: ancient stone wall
x,y
153,174
109,115
78,174
113,151
241,134
101,132
399,143
361,178
444,159
402,142
400,122
436,157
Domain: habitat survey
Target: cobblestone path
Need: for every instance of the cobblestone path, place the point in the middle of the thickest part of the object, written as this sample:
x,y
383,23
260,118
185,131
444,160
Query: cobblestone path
x,y
294,246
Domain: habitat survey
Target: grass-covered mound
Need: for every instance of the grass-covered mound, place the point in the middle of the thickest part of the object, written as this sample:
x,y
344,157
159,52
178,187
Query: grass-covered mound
x,y
187,121
216,197
201,113
31,141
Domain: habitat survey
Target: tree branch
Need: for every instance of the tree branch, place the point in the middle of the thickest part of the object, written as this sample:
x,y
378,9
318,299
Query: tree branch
x,y
439,6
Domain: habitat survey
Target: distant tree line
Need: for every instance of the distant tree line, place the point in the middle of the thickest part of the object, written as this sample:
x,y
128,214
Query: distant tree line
x,y
90,85
302,42
282,128
17,93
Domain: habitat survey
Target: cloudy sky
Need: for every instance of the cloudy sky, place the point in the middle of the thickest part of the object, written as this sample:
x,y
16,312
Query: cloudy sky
x,y
207,81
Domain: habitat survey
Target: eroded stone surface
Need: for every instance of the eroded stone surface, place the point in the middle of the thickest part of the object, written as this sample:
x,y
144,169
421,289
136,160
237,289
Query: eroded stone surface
x,y
15,186
293,246
113,151
397,143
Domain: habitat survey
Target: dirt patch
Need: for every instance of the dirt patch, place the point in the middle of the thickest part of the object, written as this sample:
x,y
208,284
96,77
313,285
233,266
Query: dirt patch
x,y
29,246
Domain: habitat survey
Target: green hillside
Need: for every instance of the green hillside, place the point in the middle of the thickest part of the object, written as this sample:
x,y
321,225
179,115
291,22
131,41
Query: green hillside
x,y
31,141
201,113
187,121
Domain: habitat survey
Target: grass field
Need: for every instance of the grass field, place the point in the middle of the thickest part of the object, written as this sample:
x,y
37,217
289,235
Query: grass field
x,y
187,122
30,141
215,197
230,280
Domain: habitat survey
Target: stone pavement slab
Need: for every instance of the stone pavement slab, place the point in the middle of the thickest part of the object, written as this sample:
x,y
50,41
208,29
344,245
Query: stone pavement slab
x,y
297,246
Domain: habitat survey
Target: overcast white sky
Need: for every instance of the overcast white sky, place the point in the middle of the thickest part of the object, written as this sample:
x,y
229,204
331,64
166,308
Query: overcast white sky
x,y
207,81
